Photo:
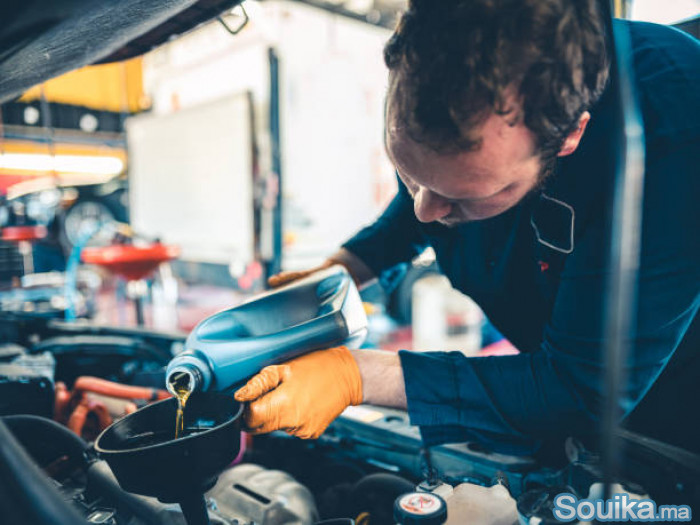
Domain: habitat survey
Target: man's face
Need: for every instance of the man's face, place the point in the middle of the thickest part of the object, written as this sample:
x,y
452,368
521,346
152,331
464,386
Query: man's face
x,y
468,186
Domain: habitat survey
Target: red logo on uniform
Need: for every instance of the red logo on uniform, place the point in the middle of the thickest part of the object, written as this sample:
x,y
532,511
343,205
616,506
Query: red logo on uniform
x,y
544,266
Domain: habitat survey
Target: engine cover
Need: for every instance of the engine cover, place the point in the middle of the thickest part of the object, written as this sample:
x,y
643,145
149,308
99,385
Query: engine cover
x,y
243,495
259,495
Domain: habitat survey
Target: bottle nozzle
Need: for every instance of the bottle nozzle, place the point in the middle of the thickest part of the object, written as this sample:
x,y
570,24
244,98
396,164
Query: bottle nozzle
x,y
187,371
183,377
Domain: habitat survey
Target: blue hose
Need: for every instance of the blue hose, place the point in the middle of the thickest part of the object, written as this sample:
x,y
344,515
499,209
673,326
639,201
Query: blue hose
x,y
71,285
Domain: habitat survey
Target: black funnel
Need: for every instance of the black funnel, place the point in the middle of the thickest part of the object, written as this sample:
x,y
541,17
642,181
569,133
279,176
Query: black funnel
x,y
147,460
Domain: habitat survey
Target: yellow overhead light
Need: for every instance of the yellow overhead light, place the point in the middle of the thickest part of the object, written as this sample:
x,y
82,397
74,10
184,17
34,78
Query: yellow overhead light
x,y
89,164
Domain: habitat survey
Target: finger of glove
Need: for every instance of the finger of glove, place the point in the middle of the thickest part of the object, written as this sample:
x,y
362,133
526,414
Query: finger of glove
x,y
286,277
268,379
304,433
264,415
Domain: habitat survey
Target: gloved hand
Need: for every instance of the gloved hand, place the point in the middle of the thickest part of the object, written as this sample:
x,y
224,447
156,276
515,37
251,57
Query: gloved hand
x,y
304,395
283,278
359,271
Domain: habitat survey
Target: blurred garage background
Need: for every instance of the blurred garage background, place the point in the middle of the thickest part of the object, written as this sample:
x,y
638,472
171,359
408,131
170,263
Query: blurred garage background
x,y
250,144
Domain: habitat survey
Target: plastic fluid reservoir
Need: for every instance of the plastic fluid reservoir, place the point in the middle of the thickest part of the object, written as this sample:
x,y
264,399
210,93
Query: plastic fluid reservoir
x,y
420,508
320,311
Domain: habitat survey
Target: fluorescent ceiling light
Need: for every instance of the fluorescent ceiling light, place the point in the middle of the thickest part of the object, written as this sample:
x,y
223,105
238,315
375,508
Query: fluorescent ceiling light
x,y
667,12
97,165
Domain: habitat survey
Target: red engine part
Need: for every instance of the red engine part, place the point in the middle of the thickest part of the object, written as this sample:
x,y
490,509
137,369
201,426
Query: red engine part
x,y
23,233
94,403
128,261
119,390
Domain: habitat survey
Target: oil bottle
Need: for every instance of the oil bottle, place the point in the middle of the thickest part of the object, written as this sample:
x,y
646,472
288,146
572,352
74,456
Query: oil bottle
x,y
320,311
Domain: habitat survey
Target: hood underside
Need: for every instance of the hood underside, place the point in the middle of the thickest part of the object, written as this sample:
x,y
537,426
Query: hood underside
x,y
41,39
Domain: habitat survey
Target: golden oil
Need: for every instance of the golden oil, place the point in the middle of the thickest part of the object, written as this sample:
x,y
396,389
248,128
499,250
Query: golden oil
x,y
181,385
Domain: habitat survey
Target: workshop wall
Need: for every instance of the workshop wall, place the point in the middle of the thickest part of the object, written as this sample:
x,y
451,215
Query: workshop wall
x,y
335,174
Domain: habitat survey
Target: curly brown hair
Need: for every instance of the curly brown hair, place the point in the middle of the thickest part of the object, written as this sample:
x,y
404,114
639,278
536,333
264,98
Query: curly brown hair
x,y
454,62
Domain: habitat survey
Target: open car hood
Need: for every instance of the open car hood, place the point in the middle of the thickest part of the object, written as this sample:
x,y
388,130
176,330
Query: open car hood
x,y
41,39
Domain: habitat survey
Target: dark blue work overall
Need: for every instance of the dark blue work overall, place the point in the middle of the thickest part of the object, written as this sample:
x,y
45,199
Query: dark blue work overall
x,y
539,271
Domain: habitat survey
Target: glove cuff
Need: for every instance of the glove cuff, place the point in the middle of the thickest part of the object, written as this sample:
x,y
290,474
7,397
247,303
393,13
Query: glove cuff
x,y
351,375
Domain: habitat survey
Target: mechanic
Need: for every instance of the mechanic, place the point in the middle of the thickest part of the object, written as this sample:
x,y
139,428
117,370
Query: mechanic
x,y
500,122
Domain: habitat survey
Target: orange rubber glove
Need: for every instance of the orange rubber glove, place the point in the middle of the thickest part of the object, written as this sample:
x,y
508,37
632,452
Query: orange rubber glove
x,y
359,271
282,278
304,395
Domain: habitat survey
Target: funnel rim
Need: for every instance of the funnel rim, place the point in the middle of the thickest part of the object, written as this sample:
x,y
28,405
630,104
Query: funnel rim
x,y
113,452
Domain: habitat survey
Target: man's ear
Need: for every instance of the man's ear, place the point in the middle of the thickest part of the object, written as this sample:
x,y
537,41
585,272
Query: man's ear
x,y
572,141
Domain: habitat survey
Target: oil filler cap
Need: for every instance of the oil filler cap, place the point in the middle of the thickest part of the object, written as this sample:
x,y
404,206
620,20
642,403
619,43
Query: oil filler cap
x,y
420,508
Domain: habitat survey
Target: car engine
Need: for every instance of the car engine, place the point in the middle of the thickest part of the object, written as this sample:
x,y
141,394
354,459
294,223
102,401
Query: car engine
x,y
352,473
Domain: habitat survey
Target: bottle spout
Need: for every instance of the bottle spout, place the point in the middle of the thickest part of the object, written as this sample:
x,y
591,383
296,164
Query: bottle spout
x,y
183,377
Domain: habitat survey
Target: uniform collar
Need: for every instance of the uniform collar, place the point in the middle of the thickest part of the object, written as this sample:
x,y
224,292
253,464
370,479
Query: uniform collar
x,y
578,191
554,221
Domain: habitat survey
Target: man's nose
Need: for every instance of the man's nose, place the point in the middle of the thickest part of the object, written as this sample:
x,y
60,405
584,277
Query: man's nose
x,y
430,207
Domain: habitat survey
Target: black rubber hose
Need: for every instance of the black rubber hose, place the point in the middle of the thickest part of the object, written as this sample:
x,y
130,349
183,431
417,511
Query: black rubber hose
x,y
26,494
45,439
101,344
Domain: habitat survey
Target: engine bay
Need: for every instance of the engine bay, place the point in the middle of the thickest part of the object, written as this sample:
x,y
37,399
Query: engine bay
x,y
93,422
354,471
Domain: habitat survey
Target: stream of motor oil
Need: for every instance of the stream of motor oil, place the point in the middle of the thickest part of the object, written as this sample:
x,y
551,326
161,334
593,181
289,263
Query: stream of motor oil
x,y
182,392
